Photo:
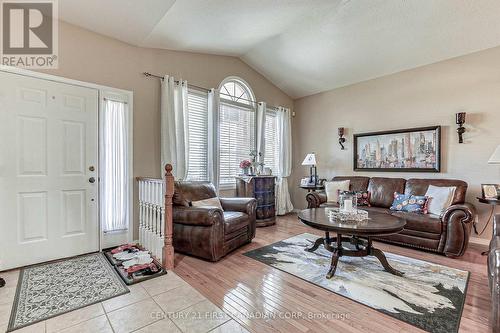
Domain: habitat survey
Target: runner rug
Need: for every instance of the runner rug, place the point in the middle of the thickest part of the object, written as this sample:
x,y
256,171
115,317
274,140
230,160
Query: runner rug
x,y
51,289
429,296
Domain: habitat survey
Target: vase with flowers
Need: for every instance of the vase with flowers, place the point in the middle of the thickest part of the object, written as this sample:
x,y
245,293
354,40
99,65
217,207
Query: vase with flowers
x,y
245,167
256,166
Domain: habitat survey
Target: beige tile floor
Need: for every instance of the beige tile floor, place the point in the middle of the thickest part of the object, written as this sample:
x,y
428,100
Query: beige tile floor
x,y
163,304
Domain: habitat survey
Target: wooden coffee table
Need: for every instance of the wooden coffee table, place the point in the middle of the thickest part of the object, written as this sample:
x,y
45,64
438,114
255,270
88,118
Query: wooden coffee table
x,y
356,234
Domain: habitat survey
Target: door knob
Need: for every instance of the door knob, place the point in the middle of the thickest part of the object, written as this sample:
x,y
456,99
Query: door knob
x,y
92,180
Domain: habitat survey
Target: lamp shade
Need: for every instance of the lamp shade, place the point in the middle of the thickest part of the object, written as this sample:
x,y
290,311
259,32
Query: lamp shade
x,y
495,158
310,159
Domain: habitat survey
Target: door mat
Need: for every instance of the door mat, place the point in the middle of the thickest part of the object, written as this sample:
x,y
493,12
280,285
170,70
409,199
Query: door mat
x,y
48,290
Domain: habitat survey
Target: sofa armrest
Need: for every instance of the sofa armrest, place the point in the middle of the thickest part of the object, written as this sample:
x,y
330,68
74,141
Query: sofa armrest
x,y
243,205
315,199
198,216
458,221
467,209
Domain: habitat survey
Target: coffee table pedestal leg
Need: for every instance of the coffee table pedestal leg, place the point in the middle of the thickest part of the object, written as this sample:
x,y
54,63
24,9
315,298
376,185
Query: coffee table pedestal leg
x,y
366,249
383,260
337,253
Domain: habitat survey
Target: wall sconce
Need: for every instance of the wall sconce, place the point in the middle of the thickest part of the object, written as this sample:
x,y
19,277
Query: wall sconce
x,y
461,129
341,138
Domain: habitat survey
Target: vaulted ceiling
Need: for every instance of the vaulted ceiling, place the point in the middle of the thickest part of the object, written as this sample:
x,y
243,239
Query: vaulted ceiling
x,y
302,46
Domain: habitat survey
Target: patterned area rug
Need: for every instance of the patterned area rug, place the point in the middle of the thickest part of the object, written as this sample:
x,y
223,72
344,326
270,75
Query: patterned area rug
x,y
428,296
51,289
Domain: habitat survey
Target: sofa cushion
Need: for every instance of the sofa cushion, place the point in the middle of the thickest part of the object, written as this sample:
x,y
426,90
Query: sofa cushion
x,y
420,186
421,222
210,202
376,209
356,183
234,221
382,190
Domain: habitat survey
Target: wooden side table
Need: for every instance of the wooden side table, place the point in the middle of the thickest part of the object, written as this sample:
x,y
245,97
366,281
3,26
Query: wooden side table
x,y
262,189
493,203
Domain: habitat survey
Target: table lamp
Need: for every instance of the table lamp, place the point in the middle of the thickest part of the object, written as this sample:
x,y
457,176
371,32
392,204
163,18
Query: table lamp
x,y
310,160
495,158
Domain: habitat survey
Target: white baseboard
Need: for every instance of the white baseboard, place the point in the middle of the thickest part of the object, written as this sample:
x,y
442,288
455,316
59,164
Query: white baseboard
x,y
480,241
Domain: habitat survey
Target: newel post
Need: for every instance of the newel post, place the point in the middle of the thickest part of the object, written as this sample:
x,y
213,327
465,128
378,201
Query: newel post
x,y
168,248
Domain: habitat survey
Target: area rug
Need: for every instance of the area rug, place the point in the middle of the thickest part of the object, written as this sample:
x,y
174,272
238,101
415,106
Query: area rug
x,y
428,296
51,289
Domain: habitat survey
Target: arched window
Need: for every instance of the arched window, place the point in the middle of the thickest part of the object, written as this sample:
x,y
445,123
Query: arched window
x,y
236,128
236,90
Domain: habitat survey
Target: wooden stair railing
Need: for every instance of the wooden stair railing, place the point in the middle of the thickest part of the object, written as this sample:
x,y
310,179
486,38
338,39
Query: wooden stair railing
x,y
155,216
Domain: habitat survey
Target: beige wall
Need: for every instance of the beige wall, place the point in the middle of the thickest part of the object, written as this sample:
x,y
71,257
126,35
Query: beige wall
x,y
426,96
90,57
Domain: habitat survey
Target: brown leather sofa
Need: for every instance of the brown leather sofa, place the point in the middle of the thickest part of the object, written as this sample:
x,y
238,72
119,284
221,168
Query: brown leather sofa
x,y
208,232
494,275
448,233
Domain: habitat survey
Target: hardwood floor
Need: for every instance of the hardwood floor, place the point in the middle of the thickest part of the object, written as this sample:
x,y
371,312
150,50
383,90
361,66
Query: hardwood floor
x,y
248,290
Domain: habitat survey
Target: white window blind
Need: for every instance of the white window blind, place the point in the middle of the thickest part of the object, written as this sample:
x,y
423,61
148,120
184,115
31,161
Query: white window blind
x,y
271,157
237,139
198,135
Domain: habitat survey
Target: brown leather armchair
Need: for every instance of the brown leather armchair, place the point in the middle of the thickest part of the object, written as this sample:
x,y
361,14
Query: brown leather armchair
x,y
494,275
209,232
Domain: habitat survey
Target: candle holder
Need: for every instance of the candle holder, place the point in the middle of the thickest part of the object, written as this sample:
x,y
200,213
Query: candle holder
x,y
341,138
348,202
460,120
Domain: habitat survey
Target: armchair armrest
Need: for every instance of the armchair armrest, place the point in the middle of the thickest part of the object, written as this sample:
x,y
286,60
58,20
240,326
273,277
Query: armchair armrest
x,y
200,216
496,225
458,221
315,199
243,205
494,280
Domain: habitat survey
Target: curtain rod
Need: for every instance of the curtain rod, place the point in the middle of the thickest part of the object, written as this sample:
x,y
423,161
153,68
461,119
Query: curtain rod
x,y
147,74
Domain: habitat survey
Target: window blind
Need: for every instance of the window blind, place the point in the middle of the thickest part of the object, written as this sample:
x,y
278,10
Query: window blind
x,y
197,135
237,139
271,157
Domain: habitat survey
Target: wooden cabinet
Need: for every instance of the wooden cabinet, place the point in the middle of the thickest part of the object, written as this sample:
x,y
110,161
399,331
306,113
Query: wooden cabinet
x,y
262,189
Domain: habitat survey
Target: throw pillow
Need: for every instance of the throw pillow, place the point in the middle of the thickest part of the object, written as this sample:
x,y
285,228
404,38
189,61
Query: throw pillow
x,y
417,204
363,198
211,202
400,201
440,198
409,203
333,189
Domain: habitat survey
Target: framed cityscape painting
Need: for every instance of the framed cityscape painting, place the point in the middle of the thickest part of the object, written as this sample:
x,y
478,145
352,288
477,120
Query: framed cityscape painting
x,y
408,150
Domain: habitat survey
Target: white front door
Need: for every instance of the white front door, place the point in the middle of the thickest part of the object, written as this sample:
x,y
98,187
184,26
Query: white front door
x,y
48,170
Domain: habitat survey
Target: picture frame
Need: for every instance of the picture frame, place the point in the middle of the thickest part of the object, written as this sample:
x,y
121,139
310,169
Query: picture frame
x,y
307,181
490,191
404,150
